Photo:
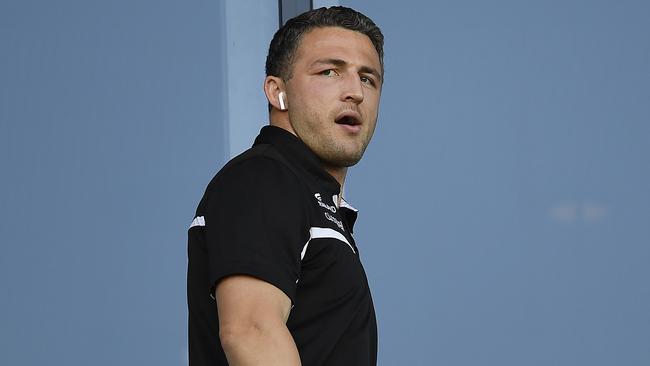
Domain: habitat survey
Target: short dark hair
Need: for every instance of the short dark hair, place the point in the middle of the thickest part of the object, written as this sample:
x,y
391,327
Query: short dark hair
x,y
282,49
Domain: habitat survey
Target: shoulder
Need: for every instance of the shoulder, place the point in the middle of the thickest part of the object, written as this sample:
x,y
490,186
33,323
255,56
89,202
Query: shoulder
x,y
259,171
258,162
256,189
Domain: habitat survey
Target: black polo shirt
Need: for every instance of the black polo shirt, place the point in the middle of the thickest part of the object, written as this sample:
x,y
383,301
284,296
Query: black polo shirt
x,y
271,213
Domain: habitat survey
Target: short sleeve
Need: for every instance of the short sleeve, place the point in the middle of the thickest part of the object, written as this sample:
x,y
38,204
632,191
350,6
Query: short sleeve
x,y
256,224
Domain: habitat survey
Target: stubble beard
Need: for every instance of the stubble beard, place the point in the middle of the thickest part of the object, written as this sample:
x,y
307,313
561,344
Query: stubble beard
x,y
335,154
332,151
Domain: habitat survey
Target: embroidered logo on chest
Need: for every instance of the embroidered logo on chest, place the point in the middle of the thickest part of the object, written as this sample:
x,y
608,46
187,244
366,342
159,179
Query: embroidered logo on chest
x,y
330,208
324,205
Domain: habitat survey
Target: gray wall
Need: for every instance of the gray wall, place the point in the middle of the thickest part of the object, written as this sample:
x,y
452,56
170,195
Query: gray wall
x,y
245,54
504,201
111,118
505,209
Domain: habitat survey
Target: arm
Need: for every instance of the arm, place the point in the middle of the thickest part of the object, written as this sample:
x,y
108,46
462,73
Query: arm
x,y
252,323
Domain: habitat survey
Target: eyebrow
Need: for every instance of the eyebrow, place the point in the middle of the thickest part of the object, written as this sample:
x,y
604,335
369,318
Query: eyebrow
x,y
338,62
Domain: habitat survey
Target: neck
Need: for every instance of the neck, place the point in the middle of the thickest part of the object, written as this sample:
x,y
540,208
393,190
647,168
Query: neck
x,y
281,119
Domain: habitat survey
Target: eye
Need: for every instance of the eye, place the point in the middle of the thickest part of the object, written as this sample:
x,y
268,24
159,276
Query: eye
x,y
367,80
328,72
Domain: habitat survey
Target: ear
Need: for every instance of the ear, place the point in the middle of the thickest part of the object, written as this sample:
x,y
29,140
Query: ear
x,y
273,86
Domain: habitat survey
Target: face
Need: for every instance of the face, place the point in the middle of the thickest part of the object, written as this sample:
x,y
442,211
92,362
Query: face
x,y
333,94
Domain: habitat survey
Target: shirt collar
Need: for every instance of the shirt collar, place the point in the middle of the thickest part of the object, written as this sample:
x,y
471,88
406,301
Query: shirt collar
x,y
292,148
349,213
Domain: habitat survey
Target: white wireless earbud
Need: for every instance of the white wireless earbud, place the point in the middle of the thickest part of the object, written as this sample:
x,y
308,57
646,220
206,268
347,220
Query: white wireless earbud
x,y
283,106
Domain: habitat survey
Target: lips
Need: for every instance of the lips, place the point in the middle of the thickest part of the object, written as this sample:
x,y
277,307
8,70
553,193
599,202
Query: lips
x,y
349,118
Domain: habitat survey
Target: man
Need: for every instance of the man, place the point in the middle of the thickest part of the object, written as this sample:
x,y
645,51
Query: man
x,y
272,241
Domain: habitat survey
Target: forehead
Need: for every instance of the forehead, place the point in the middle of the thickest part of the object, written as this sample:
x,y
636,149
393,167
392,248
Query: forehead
x,y
335,42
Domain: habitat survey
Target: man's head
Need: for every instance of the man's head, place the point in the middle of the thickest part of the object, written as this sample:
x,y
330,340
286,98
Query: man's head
x,y
328,64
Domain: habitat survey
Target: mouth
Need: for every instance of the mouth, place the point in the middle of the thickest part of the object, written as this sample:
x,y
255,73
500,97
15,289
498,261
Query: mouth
x,y
350,120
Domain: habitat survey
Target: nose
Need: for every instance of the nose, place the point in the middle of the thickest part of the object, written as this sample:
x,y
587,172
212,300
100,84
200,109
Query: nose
x,y
352,89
